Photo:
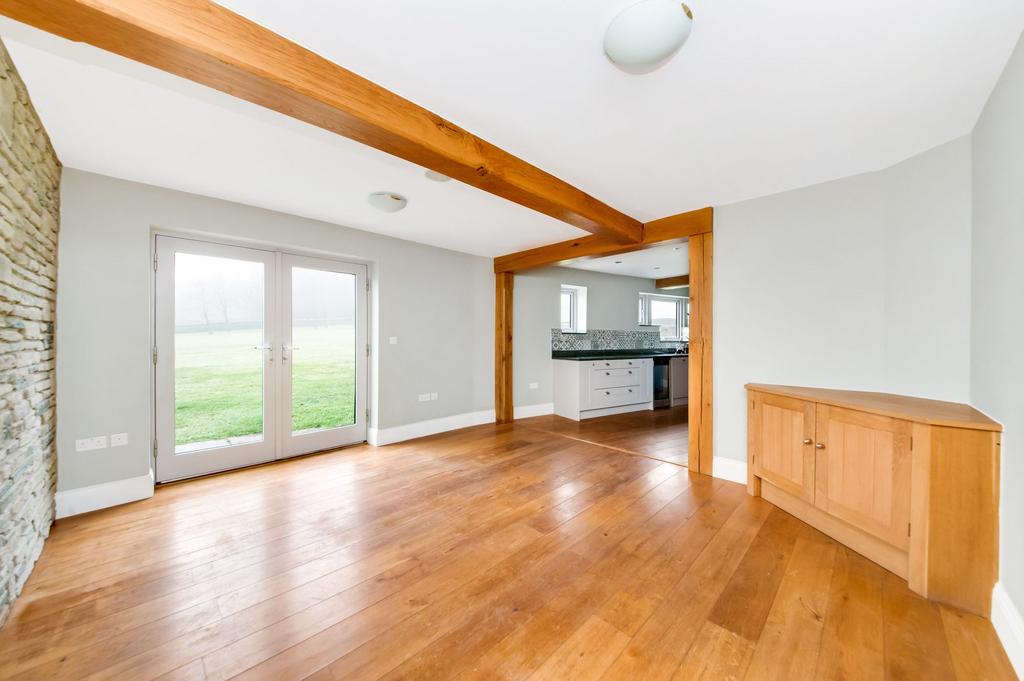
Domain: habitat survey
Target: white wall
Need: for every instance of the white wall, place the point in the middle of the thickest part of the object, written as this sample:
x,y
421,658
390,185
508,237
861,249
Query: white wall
x,y
439,303
862,283
997,321
611,304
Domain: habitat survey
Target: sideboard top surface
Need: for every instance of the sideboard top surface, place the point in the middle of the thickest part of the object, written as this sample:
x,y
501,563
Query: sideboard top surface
x,y
932,412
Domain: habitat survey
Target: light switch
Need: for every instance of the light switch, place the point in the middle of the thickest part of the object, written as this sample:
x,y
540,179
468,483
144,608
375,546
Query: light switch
x,y
119,440
433,396
534,385
393,340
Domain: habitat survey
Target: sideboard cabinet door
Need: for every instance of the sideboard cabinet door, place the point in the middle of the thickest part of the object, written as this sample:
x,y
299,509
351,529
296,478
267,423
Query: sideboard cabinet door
x,y
783,438
863,470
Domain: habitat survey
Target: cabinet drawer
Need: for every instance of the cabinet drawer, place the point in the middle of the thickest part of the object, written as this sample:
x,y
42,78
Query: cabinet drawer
x,y
617,363
615,397
615,378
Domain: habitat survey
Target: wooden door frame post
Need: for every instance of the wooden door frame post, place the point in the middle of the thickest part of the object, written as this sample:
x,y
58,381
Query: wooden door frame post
x,y
504,283
701,449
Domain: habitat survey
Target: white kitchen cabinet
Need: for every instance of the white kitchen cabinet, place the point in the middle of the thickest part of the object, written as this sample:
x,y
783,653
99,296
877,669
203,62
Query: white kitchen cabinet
x,y
589,388
679,369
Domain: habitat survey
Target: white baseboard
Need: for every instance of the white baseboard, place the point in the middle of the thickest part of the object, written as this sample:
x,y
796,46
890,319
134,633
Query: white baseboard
x,y
94,497
729,469
388,436
1009,625
529,410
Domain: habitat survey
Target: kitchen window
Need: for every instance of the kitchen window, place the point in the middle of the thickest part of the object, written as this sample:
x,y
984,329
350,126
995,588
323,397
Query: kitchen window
x,y
671,314
573,306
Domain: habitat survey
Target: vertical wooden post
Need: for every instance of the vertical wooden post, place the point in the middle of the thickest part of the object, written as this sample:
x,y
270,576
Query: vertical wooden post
x,y
503,285
701,430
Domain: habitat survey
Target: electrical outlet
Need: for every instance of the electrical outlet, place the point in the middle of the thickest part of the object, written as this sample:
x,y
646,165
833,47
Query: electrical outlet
x,y
433,396
425,397
119,439
534,385
393,340
90,443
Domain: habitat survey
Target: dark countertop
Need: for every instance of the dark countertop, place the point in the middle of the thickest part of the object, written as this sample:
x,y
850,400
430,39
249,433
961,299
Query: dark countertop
x,y
589,355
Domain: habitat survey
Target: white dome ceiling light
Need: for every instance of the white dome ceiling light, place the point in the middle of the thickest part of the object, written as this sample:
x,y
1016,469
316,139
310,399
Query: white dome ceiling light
x,y
387,201
436,176
644,36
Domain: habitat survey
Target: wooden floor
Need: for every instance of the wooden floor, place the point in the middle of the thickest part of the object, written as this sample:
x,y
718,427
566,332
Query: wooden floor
x,y
497,552
659,434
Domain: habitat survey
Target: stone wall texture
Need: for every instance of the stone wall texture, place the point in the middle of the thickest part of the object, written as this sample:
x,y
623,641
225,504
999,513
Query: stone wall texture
x,y
29,215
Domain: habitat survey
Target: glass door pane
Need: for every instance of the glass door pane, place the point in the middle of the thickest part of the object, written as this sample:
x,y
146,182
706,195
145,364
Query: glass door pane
x,y
218,351
323,352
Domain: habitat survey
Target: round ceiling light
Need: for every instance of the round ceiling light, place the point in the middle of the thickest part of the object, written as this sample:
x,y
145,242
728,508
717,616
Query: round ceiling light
x,y
387,201
642,37
436,176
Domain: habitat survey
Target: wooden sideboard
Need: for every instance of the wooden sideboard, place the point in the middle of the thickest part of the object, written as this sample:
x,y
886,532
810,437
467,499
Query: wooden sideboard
x,y
912,484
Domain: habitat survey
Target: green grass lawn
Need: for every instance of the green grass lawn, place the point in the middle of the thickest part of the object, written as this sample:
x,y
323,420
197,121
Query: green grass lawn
x,y
218,382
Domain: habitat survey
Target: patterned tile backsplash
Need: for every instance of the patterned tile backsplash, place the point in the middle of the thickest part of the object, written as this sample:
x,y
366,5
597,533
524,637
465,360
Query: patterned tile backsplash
x,y
609,339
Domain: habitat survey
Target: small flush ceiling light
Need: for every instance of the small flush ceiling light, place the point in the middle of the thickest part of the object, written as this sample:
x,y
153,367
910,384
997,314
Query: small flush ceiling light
x,y
387,201
436,176
642,37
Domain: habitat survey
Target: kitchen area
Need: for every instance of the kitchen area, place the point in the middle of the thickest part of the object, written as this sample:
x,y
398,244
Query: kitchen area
x,y
618,358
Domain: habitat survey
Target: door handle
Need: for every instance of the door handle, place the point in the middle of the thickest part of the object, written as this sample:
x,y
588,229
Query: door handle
x,y
265,347
808,440
285,349
819,445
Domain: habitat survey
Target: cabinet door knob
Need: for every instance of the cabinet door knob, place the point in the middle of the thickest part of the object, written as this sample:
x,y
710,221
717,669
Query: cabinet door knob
x,y
808,440
607,393
819,445
607,373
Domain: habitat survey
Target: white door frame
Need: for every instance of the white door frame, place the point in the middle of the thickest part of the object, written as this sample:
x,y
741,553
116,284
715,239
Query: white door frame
x,y
163,371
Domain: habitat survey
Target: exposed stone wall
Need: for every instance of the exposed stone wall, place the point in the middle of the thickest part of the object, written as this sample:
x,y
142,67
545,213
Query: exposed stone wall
x,y
29,215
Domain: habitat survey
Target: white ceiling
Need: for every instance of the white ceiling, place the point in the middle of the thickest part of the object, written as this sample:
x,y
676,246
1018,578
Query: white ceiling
x,y
108,115
764,97
670,260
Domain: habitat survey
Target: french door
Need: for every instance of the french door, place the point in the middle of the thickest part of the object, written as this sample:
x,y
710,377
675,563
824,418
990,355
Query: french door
x,y
259,355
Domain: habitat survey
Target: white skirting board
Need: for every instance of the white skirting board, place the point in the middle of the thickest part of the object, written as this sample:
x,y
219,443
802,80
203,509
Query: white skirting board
x,y
1008,622
94,497
410,431
730,469
534,410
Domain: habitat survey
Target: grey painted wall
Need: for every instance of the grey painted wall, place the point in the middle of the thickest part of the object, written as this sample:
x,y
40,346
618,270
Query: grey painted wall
x,y
863,283
611,304
997,314
439,303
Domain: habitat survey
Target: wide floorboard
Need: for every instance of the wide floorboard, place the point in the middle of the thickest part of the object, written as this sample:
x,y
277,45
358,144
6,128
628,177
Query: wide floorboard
x,y
496,552
661,434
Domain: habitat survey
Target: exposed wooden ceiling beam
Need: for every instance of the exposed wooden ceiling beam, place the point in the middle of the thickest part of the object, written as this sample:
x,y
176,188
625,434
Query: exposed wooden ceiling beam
x,y
208,44
672,282
656,233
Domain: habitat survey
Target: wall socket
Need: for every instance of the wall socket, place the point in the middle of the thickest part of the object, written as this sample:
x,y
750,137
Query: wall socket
x,y
427,397
534,385
90,443
119,439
